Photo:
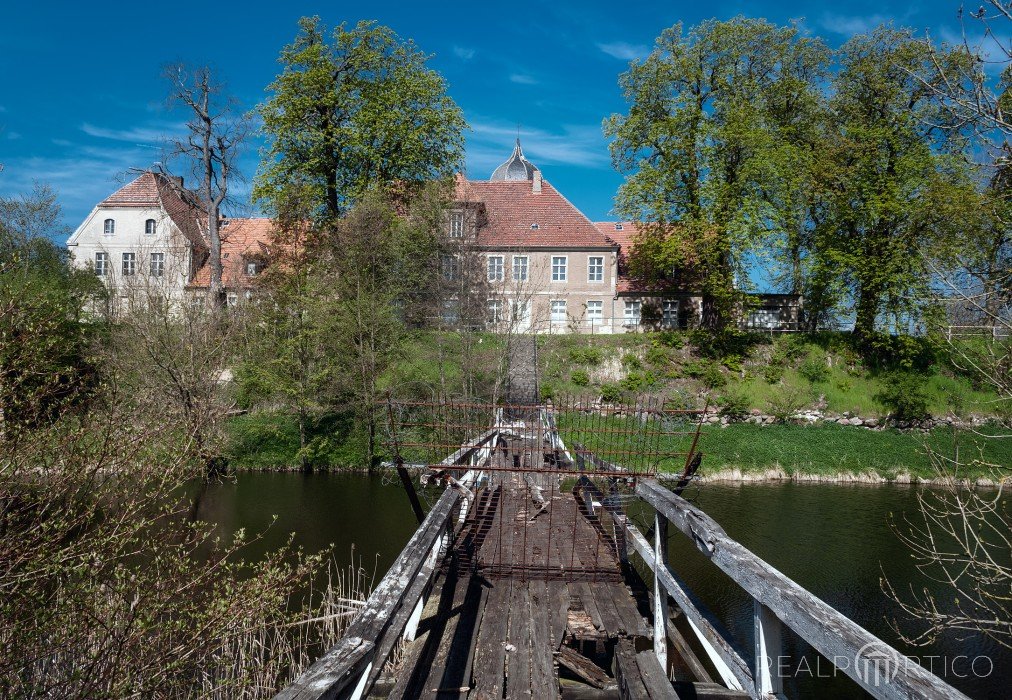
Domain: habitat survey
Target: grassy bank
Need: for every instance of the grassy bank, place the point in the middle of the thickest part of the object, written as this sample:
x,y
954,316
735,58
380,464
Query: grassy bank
x,y
830,449
267,441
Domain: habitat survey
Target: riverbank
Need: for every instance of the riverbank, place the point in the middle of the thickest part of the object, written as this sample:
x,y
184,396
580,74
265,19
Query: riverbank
x,y
823,452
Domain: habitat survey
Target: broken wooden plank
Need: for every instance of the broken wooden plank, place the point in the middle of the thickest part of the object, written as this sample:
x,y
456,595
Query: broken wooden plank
x,y
488,671
627,672
518,650
707,691
589,603
544,684
686,655
653,676
559,594
584,667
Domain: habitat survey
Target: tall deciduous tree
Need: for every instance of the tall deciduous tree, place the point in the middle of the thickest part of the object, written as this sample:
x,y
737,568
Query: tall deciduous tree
x,y
895,164
216,131
353,109
717,145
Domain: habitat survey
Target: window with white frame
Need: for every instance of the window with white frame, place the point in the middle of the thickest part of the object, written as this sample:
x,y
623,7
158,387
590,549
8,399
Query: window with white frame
x,y
519,268
251,269
632,313
595,269
595,312
521,311
451,268
149,227
157,266
559,264
495,268
109,227
669,313
494,311
129,264
231,299
101,264
558,311
451,312
456,224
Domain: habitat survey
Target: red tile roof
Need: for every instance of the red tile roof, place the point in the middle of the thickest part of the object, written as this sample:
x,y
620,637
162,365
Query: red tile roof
x,y
625,238
242,241
511,207
155,190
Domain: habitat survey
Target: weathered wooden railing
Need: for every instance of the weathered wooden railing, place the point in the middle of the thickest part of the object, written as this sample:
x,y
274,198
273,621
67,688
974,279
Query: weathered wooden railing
x,y
351,667
873,664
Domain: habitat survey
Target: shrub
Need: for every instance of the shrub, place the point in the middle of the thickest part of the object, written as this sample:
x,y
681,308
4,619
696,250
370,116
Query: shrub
x,y
631,362
904,396
732,362
547,391
585,356
706,371
657,355
611,393
670,339
580,377
734,404
773,373
814,368
638,381
786,402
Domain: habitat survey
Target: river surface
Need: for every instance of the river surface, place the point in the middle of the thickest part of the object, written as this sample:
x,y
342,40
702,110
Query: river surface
x,y
834,540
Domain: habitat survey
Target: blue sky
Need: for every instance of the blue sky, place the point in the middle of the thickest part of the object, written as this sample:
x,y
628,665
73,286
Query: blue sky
x,y
82,100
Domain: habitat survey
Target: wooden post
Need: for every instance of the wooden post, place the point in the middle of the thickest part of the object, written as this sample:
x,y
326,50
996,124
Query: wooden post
x,y
660,594
768,648
409,488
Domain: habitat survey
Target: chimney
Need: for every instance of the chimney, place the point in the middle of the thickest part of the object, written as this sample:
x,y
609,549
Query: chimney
x,y
537,182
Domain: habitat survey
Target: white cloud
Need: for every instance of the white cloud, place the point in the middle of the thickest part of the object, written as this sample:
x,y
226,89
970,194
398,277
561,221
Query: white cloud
x,y
463,53
13,136
850,25
624,51
491,142
150,134
523,79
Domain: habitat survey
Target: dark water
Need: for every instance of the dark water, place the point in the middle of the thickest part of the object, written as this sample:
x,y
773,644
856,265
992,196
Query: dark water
x,y
834,540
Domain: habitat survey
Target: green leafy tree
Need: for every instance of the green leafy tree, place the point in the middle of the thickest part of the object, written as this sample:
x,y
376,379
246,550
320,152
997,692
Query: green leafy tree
x,y
896,164
718,147
355,109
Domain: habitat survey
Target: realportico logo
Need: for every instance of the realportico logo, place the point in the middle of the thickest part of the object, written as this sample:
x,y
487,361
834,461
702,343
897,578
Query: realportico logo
x,y
878,664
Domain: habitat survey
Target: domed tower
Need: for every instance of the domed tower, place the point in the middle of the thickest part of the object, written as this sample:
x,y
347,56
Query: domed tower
x,y
516,168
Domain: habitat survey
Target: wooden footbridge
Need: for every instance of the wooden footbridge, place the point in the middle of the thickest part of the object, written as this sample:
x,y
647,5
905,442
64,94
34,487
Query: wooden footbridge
x,y
521,581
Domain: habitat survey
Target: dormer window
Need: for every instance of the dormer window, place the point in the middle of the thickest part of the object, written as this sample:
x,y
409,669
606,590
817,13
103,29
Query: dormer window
x,y
534,227
456,224
618,227
109,228
149,227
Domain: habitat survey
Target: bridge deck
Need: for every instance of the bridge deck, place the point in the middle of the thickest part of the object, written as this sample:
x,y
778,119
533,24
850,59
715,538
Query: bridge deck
x,y
532,571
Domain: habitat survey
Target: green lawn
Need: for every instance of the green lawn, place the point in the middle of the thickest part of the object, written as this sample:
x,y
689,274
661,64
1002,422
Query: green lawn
x,y
832,449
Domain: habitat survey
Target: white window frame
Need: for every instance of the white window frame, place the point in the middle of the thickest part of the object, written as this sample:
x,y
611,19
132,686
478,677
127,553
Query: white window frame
x,y
521,311
521,265
150,227
595,313
595,271
156,266
633,319
251,269
494,308
101,264
109,227
450,313
231,299
131,269
496,268
450,268
559,311
560,270
669,313
456,228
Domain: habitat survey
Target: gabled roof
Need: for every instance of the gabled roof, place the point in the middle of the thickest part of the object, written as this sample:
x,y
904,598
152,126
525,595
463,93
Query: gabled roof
x,y
242,241
513,206
157,190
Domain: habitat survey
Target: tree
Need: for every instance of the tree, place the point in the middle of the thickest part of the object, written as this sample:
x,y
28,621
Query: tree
x,y
352,111
216,133
896,163
718,144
